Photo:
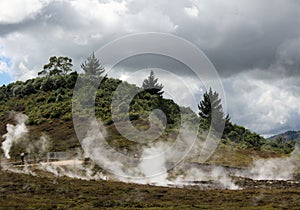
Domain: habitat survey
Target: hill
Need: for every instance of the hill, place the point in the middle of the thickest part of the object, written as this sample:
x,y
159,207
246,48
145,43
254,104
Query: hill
x,y
47,101
287,136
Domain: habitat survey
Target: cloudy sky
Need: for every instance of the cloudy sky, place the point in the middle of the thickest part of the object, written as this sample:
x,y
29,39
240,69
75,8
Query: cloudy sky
x,y
253,44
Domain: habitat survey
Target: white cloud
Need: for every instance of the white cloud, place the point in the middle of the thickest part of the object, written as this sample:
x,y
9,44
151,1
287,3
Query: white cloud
x,y
14,11
149,19
75,29
266,107
108,13
26,73
3,66
192,11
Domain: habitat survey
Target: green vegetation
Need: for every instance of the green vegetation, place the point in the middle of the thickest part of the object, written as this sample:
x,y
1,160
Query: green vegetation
x,y
92,66
152,86
48,103
57,66
211,111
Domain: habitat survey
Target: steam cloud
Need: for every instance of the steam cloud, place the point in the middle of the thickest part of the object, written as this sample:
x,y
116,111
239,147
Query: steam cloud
x,y
14,133
275,168
74,169
151,166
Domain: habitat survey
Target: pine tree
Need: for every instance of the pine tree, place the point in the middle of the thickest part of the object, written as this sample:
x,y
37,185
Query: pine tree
x,y
92,66
151,85
211,105
228,126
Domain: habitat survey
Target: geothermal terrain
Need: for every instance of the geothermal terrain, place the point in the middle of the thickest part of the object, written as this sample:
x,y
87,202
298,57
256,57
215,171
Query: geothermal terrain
x,y
74,184
44,165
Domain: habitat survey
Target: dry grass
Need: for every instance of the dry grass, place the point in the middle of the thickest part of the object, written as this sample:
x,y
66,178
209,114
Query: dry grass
x,y
20,191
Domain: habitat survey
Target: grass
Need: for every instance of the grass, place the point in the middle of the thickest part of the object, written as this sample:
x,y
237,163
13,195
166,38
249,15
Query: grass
x,y
19,191
230,154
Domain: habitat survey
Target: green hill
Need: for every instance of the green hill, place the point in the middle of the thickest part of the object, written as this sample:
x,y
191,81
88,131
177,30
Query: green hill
x,y
47,101
287,136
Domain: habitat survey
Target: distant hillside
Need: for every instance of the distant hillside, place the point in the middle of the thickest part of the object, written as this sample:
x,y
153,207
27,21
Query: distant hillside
x,y
287,136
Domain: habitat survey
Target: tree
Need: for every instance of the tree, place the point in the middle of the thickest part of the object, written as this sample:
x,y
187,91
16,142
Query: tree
x,y
228,127
253,140
92,66
47,84
151,85
57,66
28,88
3,94
211,105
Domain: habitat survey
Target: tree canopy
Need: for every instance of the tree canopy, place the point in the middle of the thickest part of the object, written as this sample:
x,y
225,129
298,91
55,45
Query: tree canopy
x,y
57,66
152,86
92,66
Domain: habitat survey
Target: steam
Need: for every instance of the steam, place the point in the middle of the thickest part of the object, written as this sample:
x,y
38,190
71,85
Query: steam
x,y
154,171
14,133
39,148
213,176
73,169
43,144
7,166
274,168
153,163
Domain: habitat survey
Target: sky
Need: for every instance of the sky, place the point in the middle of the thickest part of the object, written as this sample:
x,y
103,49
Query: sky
x,y
254,45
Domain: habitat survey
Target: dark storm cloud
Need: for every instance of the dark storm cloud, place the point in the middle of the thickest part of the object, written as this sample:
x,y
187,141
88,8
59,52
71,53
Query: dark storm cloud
x,y
148,61
242,35
236,36
54,13
8,28
253,44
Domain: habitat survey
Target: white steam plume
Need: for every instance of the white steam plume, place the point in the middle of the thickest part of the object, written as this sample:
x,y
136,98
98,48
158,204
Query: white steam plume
x,y
193,174
14,133
74,169
275,168
153,164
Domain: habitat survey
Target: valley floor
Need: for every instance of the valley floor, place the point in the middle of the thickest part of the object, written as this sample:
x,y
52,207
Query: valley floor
x,y
20,191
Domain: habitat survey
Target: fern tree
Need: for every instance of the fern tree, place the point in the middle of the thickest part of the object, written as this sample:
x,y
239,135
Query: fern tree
x,y
92,66
152,86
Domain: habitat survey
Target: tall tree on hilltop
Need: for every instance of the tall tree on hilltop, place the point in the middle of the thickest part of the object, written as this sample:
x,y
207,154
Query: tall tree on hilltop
x,y
57,66
211,105
152,86
92,66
